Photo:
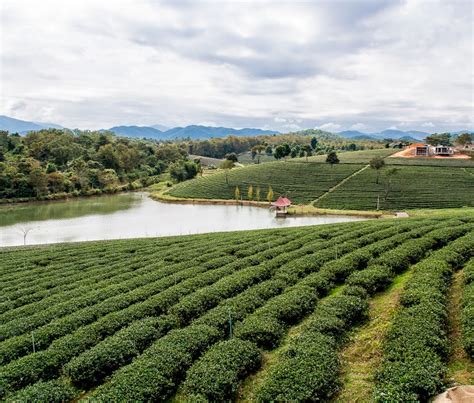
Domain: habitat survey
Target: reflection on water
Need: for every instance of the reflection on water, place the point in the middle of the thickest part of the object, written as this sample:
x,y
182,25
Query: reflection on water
x,y
60,209
133,215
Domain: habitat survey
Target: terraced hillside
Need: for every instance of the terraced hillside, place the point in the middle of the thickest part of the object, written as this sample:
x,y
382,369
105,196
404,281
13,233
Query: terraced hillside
x,y
197,317
346,185
302,182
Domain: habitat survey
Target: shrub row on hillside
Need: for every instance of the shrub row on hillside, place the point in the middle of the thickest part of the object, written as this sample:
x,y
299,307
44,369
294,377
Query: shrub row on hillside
x,y
467,313
254,299
416,345
94,365
63,274
216,374
47,363
290,378
155,374
54,287
266,326
180,277
50,391
308,369
189,307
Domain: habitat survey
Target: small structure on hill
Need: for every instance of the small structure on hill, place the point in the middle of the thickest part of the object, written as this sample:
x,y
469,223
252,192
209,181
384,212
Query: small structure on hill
x,y
281,205
421,150
443,150
426,150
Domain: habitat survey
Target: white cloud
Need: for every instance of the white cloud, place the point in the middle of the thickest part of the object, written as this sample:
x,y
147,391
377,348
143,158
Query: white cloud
x,y
358,126
428,124
393,128
96,64
330,127
292,127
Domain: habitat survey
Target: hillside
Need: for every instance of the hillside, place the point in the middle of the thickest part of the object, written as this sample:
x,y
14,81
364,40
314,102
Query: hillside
x,y
132,320
300,181
137,131
350,185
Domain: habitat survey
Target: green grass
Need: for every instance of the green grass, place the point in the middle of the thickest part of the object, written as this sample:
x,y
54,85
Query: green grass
x,y
246,158
302,182
460,366
356,157
362,355
434,162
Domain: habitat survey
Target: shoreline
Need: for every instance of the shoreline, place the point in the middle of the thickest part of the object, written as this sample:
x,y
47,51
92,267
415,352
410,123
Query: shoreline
x,y
306,210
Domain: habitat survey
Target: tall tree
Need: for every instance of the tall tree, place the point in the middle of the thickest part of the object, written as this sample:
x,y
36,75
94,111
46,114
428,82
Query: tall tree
x,y
270,194
332,158
464,139
227,165
443,139
377,163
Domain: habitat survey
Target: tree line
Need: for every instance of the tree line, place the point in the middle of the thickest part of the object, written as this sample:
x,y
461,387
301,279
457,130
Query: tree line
x,y
53,163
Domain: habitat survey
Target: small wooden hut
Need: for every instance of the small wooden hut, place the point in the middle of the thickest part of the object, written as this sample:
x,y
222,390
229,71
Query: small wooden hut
x,y
281,205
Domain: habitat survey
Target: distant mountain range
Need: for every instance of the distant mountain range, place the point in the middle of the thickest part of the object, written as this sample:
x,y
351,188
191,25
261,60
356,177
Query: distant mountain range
x,y
409,135
199,132
157,132
192,132
22,126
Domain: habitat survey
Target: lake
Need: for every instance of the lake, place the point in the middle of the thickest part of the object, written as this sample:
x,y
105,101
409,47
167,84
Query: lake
x,y
133,215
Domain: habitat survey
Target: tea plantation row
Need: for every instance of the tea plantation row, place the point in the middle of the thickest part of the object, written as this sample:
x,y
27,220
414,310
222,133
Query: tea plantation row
x,y
136,319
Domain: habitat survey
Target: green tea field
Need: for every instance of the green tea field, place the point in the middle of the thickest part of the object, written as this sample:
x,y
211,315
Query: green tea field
x,y
244,316
301,181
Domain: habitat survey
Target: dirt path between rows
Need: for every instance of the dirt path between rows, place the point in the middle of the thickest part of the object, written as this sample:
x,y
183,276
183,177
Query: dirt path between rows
x,y
314,202
363,354
460,367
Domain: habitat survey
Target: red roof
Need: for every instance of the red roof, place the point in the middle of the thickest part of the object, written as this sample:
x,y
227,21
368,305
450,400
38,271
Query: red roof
x,y
282,202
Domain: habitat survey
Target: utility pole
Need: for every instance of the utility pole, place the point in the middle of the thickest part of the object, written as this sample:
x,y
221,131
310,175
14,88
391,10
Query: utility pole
x,y
33,342
230,324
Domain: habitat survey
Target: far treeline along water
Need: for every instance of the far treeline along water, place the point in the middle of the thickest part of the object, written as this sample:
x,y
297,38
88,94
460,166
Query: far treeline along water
x,y
255,315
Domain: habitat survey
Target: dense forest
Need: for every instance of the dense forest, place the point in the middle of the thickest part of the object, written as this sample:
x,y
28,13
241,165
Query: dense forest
x,y
54,163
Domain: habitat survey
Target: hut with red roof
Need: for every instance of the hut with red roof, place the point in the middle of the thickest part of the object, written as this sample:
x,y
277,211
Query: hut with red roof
x,y
280,206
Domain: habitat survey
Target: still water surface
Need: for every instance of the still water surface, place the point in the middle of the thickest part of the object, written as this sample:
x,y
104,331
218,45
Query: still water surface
x,y
133,215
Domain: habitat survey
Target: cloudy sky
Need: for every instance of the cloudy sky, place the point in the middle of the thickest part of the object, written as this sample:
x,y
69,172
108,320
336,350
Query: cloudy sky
x,y
364,65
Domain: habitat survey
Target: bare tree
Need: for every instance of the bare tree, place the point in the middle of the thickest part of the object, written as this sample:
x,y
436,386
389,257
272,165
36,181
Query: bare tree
x,y
25,232
388,183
